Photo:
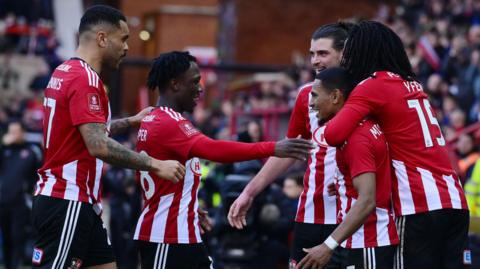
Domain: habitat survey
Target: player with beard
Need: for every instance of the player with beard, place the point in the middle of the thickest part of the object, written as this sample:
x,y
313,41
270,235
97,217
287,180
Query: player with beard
x,y
69,232
317,211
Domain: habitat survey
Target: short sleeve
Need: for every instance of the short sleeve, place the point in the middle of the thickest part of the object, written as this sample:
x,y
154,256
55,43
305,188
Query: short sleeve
x,y
359,154
85,102
299,117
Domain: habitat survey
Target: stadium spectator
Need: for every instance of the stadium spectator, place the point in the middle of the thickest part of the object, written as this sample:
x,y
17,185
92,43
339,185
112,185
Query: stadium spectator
x,y
19,162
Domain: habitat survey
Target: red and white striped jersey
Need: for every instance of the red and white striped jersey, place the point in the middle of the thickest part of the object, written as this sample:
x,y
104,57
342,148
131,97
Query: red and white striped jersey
x,y
75,95
366,151
425,180
315,205
170,210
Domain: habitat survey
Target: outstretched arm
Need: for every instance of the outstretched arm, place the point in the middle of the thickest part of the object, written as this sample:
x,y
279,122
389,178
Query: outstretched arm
x,y
230,151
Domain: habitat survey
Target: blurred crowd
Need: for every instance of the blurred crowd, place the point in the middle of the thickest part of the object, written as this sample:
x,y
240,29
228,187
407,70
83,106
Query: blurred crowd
x,y
442,39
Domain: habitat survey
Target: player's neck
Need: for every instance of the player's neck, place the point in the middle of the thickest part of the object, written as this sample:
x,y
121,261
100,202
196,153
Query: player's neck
x,y
165,102
92,59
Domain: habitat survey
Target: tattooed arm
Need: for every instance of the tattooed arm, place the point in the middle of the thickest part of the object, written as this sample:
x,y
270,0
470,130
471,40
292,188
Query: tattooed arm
x,y
103,147
121,125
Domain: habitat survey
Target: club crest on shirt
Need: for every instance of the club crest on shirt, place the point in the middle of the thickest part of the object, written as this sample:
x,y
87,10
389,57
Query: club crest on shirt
x,y
195,166
76,263
319,138
93,102
188,128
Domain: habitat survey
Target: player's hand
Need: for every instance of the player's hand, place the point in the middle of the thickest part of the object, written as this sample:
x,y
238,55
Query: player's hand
x,y
293,148
135,120
206,223
332,189
169,170
317,257
238,211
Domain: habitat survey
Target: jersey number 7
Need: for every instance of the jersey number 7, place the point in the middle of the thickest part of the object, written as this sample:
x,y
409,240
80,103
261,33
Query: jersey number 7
x,y
49,102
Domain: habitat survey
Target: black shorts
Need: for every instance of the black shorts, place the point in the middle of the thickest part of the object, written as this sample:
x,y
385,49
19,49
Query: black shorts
x,y
368,258
174,256
68,234
435,239
306,235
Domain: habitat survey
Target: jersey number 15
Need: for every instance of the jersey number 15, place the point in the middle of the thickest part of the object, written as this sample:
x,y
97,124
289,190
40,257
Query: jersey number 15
x,y
417,105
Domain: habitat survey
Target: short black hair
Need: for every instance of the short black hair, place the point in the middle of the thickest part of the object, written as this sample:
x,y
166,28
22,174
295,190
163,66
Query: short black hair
x,y
336,78
99,14
168,66
338,32
372,46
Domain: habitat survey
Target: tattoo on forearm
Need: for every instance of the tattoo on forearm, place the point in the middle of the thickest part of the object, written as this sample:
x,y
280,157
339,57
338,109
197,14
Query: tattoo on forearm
x,y
120,156
116,154
119,126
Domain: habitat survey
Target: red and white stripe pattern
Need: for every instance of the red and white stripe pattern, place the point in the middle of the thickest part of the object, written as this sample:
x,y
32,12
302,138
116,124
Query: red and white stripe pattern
x,y
69,186
172,218
69,171
379,228
172,113
315,205
93,78
418,190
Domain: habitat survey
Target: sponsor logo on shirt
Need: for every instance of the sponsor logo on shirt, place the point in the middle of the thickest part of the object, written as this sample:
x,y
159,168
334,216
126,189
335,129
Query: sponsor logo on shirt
x,y
188,128
93,102
37,256
319,138
195,166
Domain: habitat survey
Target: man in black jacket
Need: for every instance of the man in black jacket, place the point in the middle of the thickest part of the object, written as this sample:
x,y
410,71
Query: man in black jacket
x,y
18,164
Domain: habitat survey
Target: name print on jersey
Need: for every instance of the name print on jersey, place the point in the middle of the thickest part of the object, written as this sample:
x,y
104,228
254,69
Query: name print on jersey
x,y
413,86
55,83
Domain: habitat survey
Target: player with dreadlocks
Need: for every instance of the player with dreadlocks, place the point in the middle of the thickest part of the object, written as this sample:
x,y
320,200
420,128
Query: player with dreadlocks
x,y
430,206
169,227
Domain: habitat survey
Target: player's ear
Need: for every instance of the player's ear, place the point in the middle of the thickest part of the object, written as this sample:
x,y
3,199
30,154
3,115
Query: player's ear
x,y
336,96
102,39
174,85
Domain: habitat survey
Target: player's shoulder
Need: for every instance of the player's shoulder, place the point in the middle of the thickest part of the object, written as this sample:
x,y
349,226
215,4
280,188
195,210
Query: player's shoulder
x,y
166,113
80,71
367,130
305,89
